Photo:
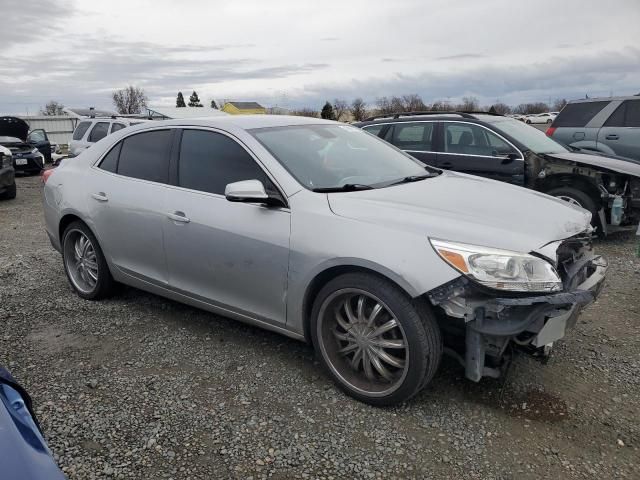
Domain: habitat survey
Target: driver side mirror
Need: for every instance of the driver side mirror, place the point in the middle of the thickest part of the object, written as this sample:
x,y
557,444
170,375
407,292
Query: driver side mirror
x,y
250,191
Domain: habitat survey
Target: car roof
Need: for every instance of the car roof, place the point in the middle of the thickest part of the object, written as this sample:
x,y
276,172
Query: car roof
x,y
605,99
245,122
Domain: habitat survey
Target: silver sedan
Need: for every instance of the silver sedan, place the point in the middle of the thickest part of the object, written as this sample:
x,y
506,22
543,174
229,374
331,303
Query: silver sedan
x,y
325,233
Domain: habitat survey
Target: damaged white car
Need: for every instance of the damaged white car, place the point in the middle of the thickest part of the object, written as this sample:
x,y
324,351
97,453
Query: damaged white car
x,y
325,233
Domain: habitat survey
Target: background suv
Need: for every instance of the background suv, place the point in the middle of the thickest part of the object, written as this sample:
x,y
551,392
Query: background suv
x,y
91,130
607,125
505,149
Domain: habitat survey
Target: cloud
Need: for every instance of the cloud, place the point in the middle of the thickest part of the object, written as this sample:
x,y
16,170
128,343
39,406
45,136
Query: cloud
x,y
28,20
462,56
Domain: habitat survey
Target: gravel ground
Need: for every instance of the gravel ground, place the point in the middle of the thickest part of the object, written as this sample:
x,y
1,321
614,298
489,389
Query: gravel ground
x,y
142,387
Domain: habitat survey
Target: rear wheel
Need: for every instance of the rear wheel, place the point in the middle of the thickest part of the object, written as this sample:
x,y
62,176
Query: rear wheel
x,y
377,344
84,263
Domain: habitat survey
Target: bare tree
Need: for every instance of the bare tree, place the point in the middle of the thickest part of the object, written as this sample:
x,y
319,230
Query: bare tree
x,y
442,106
340,108
413,103
531,108
129,100
358,109
305,112
52,108
501,108
559,104
469,104
384,105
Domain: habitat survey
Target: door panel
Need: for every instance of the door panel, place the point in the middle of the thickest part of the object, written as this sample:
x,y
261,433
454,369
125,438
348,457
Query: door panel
x,y
621,131
128,216
473,149
234,255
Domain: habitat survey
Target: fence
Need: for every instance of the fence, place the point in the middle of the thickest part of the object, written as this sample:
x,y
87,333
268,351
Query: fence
x,y
59,128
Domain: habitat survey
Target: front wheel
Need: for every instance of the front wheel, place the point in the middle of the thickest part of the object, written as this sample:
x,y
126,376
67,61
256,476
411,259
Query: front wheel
x,y
378,345
84,263
9,193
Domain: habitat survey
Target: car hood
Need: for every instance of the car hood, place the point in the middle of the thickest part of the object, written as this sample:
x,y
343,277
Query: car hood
x,y
14,127
468,209
616,164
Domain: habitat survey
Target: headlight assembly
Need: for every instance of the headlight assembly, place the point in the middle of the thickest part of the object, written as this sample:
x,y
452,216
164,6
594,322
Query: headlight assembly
x,y
35,150
6,161
500,269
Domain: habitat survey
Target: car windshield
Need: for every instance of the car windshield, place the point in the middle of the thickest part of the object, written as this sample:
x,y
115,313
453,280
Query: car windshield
x,y
335,156
532,138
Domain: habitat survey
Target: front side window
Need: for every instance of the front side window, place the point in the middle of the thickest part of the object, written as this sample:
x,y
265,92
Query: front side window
x,y
331,156
413,136
470,139
80,130
210,161
99,131
146,156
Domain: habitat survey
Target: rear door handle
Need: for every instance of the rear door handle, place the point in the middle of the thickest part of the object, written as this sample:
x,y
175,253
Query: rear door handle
x,y
178,216
100,196
612,136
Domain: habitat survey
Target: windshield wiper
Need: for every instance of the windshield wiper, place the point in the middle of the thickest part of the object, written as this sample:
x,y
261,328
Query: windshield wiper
x,y
347,187
412,178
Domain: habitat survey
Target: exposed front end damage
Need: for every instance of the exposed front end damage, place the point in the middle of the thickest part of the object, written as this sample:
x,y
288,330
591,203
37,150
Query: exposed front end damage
x,y
480,325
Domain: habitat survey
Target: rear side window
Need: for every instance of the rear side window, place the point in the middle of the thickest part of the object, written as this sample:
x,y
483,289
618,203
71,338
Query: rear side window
x,y
210,161
80,130
578,114
146,156
99,131
116,126
110,161
626,115
413,136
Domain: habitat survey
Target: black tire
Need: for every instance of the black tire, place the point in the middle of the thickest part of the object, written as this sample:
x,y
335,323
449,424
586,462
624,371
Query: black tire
x,y
105,285
580,197
528,122
10,192
421,334
548,120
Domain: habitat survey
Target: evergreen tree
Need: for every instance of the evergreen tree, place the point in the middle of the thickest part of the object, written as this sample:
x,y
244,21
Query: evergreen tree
x,y
194,101
327,112
180,100
214,104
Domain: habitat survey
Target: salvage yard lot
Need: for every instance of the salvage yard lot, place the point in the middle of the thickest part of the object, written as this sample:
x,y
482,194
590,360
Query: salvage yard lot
x,y
142,387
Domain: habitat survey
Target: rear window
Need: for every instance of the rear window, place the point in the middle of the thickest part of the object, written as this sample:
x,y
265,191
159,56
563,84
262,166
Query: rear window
x,y
80,130
578,114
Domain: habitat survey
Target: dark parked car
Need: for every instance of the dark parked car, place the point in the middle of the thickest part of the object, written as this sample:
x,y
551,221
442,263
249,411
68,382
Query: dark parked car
x,y
502,148
606,125
29,149
7,174
24,454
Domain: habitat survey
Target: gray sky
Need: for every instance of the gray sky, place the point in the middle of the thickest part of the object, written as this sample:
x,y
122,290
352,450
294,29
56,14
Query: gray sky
x,y
297,53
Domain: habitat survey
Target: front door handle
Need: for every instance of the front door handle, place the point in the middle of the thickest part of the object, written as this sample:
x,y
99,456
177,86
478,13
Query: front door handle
x,y
100,196
178,216
612,136
446,165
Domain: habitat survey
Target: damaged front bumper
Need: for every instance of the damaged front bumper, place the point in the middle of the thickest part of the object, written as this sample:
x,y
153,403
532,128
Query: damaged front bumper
x,y
490,324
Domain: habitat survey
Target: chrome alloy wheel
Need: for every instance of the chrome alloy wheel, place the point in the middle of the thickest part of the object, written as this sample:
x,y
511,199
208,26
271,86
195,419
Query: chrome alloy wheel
x,y
363,342
570,200
80,260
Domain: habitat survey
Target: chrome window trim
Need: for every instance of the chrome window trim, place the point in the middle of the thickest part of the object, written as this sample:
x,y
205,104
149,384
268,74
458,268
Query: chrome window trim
x,y
489,130
96,164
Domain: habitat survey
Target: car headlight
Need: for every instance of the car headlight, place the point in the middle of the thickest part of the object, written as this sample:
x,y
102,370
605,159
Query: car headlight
x,y
6,160
500,269
35,150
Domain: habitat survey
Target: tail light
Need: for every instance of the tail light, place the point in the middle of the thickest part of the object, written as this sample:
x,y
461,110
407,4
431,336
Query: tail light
x,y
550,131
46,174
